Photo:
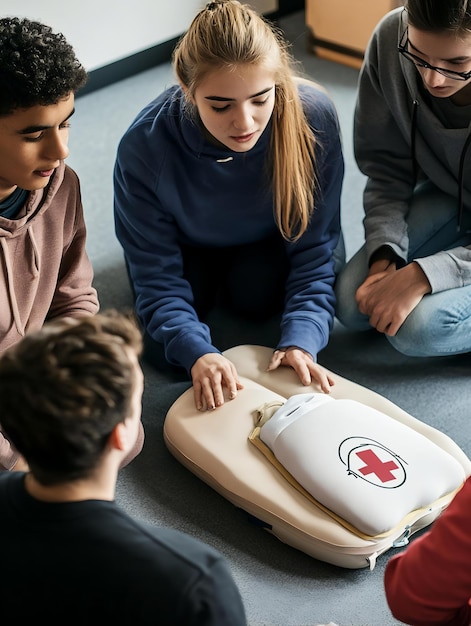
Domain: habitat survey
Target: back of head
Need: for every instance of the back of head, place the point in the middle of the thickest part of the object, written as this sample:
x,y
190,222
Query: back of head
x,y
64,389
37,66
440,15
227,34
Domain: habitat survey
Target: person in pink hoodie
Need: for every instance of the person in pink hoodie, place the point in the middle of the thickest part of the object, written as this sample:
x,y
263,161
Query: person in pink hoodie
x,y
45,272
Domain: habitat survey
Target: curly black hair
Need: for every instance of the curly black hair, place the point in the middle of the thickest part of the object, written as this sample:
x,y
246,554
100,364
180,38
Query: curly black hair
x,y
37,66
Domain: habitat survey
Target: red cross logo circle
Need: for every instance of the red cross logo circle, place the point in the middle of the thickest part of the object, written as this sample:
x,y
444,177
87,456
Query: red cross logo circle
x,y
373,462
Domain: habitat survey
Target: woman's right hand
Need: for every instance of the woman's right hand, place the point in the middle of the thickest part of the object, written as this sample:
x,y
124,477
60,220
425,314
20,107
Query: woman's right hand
x,y
210,374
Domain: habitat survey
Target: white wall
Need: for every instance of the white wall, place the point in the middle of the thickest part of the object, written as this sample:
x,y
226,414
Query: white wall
x,y
103,31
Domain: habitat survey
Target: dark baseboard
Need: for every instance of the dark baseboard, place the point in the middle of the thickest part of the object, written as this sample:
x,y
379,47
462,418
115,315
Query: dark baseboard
x,y
129,66
316,42
162,53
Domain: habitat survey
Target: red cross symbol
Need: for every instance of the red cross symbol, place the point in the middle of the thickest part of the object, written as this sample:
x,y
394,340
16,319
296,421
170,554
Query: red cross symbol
x,y
374,465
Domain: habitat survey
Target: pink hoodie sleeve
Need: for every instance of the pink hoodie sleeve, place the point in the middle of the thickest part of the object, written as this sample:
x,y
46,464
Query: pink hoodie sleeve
x,y
8,454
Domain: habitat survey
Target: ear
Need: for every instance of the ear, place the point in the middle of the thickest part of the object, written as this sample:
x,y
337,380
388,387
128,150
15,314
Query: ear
x,y
119,437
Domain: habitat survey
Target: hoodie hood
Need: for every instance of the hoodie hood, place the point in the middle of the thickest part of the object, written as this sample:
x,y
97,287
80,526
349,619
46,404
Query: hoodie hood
x,y
27,253
36,204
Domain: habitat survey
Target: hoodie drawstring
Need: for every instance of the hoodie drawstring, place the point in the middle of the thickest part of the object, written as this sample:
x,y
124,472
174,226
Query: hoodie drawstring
x,y
11,288
9,275
35,261
415,105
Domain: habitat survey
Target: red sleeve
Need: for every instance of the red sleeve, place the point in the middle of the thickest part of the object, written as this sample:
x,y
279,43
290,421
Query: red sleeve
x,y
430,582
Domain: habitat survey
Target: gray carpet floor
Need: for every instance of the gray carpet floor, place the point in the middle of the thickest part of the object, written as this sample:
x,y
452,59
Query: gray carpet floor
x,y
280,586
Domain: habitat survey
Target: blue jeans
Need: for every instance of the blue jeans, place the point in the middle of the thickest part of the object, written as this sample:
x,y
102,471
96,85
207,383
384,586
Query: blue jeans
x,y
440,324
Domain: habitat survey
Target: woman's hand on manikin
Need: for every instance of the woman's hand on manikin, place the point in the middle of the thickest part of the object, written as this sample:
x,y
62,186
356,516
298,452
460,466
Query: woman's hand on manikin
x,y
215,379
304,365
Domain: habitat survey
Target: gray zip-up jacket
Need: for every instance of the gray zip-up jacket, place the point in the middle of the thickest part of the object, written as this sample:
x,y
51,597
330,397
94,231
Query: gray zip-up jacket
x,y
400,132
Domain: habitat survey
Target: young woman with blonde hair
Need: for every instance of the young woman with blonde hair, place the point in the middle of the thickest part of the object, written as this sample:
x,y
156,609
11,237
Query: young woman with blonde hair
x,y
227,192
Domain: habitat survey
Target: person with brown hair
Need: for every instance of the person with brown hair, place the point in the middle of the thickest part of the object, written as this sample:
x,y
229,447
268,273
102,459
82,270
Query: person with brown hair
x,y
227,193
71,404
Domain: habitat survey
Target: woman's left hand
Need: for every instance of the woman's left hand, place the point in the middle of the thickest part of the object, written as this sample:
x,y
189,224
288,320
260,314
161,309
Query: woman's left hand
x,y
304,365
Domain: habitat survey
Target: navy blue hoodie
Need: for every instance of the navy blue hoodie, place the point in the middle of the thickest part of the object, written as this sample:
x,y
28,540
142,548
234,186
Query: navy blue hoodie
x,y
173,187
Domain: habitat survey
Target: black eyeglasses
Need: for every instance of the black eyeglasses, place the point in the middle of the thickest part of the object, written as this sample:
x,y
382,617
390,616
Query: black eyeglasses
x,y
402,48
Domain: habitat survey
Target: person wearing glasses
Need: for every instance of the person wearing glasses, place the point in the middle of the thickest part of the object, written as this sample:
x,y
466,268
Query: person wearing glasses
x,y
411,280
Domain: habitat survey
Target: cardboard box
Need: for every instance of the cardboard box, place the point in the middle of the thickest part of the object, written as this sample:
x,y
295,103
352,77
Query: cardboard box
x,y
339,30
